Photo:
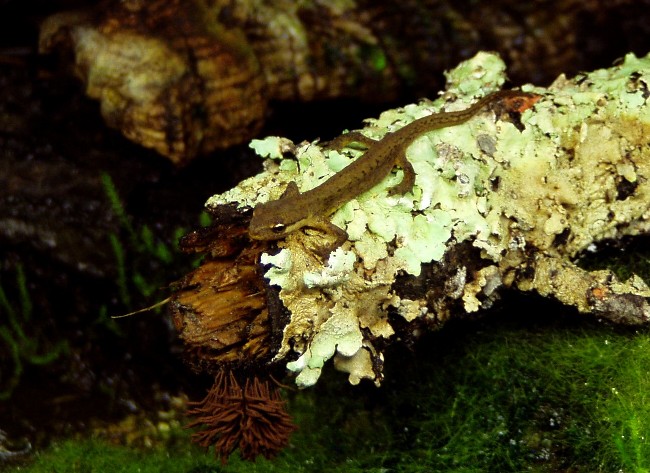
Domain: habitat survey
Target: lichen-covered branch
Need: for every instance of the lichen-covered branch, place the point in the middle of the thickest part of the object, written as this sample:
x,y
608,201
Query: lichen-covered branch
x,y
500,202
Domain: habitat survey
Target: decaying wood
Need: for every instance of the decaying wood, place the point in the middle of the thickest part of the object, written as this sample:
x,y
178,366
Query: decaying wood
x,y
500,203
220,309
188,77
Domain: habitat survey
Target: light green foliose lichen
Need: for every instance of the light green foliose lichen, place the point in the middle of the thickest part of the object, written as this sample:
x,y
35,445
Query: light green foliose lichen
x,y
498,185
338,334
279,274
272,147
339,266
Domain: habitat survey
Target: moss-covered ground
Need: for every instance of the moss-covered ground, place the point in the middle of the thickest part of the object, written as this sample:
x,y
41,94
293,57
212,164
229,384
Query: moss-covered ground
x,y
505,394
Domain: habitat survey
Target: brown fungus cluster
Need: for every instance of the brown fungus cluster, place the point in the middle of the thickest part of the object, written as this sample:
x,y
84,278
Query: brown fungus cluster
x,y
252,418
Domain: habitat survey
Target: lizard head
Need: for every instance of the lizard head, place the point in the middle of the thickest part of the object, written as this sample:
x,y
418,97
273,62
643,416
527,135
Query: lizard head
x,y
277,218
268,221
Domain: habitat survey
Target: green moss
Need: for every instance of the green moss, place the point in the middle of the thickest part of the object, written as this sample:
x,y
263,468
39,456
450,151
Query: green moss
x,y
121,279
136,254
93,456
496,396
375,56
205,220
21,341
143,261
115,201
549,400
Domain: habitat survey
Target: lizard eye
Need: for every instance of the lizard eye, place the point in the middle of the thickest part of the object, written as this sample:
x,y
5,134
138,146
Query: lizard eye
x,y
278,228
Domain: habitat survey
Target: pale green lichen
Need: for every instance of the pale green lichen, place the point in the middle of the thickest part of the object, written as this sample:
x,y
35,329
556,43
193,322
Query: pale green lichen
x,y
280,272
424,239
339,266
338,334
273,147
498,186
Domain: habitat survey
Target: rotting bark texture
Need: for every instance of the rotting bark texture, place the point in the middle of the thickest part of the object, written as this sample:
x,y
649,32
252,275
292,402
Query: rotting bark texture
x,y
188,77
220,309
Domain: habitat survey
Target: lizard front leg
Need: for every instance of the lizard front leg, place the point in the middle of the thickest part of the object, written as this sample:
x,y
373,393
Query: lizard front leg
x,y
330,229
407,182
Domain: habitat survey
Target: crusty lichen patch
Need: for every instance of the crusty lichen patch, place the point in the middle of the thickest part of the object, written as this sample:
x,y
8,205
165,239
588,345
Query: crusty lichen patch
x,y
529,192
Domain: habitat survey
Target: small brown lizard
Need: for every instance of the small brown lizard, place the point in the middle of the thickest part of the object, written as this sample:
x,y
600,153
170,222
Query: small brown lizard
x,y
294,210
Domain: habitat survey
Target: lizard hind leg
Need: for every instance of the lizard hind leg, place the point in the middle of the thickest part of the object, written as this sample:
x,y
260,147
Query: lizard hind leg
x,y
407,182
